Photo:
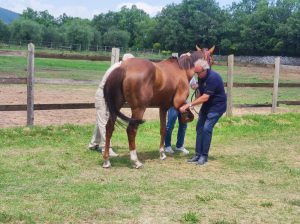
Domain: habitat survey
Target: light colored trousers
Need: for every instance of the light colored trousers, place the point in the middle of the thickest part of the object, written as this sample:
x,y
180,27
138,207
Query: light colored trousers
x,y
102,116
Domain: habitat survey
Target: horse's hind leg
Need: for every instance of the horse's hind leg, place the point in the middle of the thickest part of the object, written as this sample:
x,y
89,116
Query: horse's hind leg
x,y
162,116
131,133
109,131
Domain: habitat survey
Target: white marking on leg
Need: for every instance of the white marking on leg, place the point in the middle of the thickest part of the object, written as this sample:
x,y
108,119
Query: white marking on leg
x,y
162,153
162,149
106,164
133,156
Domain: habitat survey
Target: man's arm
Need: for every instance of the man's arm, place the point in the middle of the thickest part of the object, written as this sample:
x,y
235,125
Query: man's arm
x,y
200,100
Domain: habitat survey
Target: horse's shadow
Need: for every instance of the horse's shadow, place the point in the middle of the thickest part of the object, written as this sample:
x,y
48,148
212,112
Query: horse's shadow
x,y
123,160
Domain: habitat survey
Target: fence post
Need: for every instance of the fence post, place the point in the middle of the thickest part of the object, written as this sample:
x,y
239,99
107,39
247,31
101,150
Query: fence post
x,y
115,55
229,85
30,82
276,83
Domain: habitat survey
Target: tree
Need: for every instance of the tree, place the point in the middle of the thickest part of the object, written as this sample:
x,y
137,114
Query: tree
x,y
42,17
181,26
259,27
4,31
64,19
292,35
26,30
116,38
144,31
79,33
52,34
133,20
168,31
104,22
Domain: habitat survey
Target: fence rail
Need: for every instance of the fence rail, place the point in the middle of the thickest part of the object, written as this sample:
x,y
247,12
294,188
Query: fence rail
x,y
65,106
13,80
30,106
265,85
73,106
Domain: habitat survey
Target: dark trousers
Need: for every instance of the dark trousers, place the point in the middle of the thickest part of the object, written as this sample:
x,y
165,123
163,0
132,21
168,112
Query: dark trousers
x,y
205,125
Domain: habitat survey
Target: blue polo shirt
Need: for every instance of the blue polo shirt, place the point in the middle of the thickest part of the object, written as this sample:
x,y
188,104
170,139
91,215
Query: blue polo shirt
x,y
213,86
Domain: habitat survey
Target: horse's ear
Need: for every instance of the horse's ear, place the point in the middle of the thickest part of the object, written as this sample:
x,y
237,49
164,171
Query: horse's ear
x,y
211,51
198,48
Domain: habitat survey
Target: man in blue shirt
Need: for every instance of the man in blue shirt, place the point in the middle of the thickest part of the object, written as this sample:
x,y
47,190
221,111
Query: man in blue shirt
x,y
214,102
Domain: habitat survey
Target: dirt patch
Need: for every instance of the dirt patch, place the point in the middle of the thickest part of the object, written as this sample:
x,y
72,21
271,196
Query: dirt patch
x,y
16,94
50,94
13,53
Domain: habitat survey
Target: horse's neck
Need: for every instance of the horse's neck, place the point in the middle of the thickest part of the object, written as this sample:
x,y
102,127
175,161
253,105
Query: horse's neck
x,y
189,74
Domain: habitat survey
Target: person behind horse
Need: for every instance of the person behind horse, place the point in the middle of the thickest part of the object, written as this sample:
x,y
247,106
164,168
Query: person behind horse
x,y
214,102
102,114
173,114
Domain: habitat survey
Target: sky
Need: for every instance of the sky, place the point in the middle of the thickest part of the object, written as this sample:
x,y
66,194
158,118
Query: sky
x,y
89,8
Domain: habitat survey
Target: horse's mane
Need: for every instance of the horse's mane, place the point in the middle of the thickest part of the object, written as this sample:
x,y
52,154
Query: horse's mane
x,y
187,61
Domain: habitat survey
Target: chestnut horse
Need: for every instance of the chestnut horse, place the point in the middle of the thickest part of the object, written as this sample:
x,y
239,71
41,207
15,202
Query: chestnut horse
x,y
142,83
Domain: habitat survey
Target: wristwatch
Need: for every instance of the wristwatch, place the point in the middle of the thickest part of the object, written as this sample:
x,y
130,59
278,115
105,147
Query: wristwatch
x,y
191,106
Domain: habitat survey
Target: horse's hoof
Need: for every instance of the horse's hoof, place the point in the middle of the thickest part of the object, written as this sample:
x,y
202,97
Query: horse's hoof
x,y
106,164
137,164
163,156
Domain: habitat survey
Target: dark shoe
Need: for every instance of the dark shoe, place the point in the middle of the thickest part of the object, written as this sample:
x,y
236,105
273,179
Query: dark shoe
x,y
202,160
194,159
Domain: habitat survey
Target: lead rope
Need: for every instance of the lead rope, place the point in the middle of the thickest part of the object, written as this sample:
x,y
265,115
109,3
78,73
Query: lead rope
x,y
192,97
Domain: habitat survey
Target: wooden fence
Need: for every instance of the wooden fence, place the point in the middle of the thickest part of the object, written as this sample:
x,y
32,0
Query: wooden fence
x,y
275,85
30,107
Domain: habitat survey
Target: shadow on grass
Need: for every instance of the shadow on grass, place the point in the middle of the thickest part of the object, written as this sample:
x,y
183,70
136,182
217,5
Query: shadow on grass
x,y
123,160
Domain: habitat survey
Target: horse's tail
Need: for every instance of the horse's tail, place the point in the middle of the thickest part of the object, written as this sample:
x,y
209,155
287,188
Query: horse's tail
x,y
114,97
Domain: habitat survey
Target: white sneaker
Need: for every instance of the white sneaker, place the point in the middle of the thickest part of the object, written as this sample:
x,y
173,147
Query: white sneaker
x,y
93,146
111,153
169,150
183,150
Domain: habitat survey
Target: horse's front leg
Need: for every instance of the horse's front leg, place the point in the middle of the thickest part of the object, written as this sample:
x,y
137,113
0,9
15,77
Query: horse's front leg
x,y
109,130
163,117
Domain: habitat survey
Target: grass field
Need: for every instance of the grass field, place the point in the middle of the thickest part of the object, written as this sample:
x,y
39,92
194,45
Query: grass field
x,y
104,51
253,176
54,68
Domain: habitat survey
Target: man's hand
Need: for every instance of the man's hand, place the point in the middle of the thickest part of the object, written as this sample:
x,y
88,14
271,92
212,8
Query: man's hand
x,y
194,86
184,108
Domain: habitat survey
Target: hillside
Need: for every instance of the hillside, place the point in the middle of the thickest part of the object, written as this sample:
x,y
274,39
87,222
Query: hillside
x,y
7,16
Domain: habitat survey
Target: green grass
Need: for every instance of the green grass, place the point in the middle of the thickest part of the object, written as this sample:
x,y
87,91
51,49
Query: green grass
x,y
48,175
255,74
54,68
104,52
190,217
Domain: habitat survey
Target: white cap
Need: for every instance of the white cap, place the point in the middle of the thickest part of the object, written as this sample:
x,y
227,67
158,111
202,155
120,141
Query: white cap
x,y
186,54
127,56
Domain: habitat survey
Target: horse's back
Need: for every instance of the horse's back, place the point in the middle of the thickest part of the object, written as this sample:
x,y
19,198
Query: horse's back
x,y
151,84
138,82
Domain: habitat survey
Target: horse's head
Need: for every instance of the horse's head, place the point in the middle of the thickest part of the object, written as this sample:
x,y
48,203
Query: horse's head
x,y
201,57
208,54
